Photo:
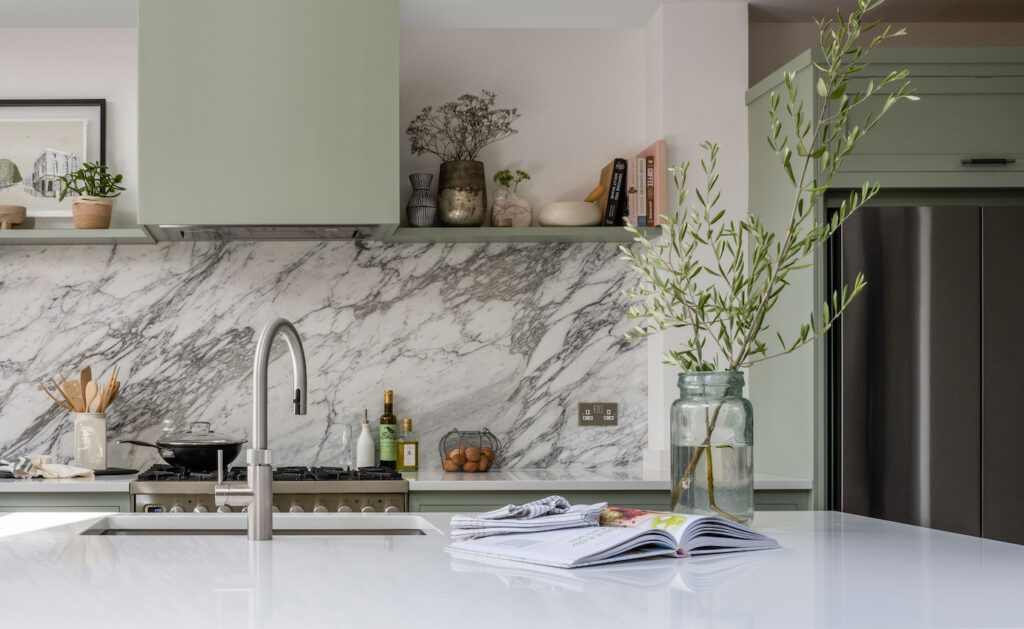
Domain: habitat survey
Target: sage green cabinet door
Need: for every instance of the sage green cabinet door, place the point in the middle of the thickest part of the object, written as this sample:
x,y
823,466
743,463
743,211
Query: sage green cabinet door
x,y
956,118
267,112
65,501
479,501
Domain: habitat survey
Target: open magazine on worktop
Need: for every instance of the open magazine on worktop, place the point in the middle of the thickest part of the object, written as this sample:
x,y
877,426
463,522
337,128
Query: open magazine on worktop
x,y
624,534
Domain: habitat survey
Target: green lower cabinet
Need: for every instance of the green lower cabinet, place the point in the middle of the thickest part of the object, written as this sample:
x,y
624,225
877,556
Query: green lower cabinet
x,y
782,500
457,501
69,501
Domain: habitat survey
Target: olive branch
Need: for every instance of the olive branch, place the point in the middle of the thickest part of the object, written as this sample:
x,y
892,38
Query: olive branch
x,y
720,278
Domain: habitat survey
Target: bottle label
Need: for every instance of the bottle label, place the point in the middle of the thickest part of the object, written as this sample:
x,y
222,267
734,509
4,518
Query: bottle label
x,y
408,455
388,442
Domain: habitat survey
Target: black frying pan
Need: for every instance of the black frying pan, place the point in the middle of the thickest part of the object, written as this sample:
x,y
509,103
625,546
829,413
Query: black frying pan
x,y
195,450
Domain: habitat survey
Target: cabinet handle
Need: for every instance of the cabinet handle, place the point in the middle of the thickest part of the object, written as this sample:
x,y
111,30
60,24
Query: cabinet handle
x,y
988,161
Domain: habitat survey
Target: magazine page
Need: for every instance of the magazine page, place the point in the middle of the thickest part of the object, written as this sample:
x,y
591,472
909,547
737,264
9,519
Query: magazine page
x,y
673,523
694,534
573,547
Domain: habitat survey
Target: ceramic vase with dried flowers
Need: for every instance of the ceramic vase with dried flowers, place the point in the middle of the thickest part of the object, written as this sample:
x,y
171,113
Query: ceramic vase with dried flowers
x,y
510,210
456,132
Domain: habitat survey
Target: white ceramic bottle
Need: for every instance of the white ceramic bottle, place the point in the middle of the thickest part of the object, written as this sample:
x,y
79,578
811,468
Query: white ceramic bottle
x,y
365,450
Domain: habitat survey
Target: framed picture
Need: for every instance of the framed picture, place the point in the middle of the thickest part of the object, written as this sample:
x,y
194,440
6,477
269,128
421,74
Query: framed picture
x,y
41,140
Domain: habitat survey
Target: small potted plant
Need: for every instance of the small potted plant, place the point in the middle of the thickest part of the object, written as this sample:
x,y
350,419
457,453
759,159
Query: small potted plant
x,y
510,210
95,189
456,132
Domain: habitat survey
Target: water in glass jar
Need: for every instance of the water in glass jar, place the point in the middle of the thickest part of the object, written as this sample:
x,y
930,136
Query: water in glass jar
x,y
733,471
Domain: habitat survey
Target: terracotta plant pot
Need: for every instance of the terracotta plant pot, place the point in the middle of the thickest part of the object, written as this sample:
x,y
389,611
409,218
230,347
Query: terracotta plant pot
x,y
91,212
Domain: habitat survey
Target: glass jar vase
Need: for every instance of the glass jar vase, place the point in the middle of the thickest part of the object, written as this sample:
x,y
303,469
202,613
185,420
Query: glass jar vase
x,y
712,437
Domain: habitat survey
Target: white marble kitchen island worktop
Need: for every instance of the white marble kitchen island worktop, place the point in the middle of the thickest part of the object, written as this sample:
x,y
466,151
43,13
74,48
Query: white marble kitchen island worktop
x,y
100,484
833,570
571,480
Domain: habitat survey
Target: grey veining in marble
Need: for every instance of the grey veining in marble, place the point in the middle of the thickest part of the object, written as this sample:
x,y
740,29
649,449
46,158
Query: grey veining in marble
x,y
509,337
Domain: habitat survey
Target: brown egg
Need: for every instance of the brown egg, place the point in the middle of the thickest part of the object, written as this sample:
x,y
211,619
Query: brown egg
x,y
452,453
488,451
472,454
451,466
485,464
470,466
458,459
462,450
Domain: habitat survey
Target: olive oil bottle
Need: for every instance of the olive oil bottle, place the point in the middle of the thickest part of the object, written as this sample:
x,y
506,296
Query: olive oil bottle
x,y
408,448
388,433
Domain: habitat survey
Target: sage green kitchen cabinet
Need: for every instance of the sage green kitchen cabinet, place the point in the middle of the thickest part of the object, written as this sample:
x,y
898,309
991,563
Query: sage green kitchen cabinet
x,y
65,501
970,108
458,501
263,112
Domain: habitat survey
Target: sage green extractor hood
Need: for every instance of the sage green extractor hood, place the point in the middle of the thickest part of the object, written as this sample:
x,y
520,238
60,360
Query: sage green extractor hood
x,y
262,119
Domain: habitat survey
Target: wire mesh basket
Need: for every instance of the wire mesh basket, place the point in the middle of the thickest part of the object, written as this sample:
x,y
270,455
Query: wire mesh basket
x,y
468,450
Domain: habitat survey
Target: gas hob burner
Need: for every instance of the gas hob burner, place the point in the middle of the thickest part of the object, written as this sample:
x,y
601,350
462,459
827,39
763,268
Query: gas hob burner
x,y
161,472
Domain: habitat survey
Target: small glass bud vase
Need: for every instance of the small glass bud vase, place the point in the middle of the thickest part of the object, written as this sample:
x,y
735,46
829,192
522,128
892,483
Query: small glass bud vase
x,y
510,209
91,440
712,436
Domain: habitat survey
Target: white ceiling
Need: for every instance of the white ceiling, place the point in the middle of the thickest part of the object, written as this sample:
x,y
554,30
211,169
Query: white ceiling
x,y
534,13
636,13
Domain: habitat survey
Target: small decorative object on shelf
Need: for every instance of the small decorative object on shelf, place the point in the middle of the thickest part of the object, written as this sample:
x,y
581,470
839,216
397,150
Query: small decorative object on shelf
x,y
468,450
456,132
422,208
510,210
571,214
88,401
718,278
96,189
11,215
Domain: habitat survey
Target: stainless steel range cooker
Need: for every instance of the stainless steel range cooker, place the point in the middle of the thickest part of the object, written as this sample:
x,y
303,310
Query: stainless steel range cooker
x,y
166,489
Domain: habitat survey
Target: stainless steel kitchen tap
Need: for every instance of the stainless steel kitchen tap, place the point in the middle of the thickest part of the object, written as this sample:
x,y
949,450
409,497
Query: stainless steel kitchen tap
x,y
258,493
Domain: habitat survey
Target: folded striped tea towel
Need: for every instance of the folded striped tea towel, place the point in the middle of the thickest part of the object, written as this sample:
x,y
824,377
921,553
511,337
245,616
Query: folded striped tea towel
x,y
546,514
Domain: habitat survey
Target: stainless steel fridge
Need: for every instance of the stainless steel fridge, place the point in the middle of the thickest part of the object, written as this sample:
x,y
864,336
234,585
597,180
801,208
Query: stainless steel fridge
x,y
926,394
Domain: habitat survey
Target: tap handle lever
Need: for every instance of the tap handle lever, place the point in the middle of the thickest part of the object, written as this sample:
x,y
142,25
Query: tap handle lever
x,y
220,467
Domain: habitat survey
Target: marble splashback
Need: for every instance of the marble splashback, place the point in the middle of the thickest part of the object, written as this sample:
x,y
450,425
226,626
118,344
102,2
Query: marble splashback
x,y
509,337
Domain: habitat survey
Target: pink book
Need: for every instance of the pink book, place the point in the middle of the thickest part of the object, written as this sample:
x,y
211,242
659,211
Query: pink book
x,y
657,173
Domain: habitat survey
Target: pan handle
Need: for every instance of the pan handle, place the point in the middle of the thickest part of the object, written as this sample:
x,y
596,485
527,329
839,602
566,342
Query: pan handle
x,y
164,452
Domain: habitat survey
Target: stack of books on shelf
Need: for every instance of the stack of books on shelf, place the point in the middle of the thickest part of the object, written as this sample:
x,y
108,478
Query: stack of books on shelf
x,y
635,188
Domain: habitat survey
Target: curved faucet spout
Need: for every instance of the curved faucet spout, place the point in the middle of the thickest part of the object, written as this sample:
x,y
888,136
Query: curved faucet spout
x,y
260,490
259,376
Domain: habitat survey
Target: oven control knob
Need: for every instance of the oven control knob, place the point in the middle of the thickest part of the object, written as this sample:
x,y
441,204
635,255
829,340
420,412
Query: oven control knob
x,y
223,509
296,509
344,509
391,509
319,509
200,509
274,509
177,509
368,509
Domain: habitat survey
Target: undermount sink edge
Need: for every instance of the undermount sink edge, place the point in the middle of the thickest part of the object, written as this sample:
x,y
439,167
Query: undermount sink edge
x,y
284,523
